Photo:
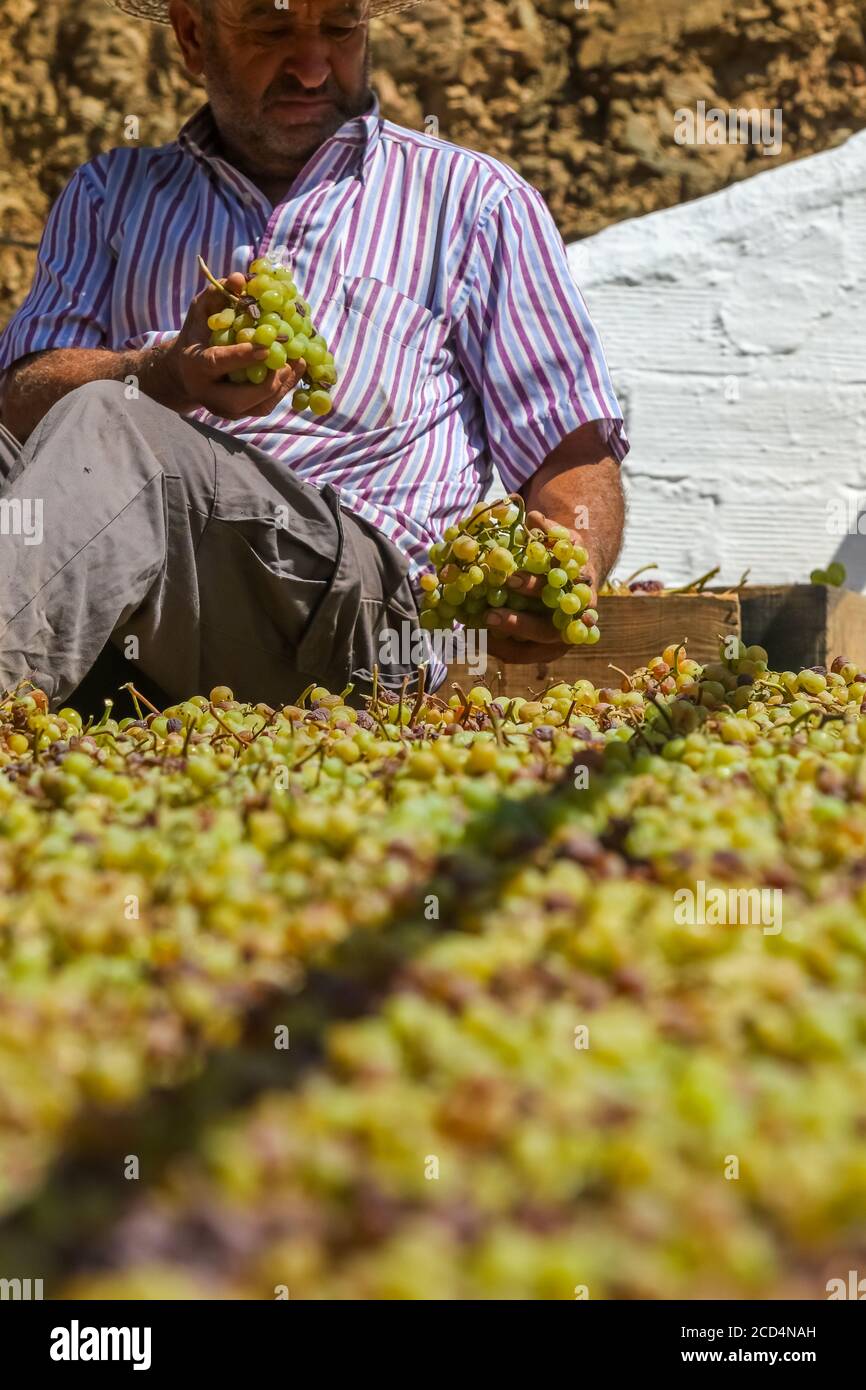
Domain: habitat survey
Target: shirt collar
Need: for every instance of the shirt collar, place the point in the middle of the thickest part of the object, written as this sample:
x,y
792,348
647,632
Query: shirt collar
x,y
200,137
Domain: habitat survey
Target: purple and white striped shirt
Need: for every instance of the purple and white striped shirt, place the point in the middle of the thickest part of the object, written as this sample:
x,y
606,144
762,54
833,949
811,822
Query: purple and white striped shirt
x,y
436,274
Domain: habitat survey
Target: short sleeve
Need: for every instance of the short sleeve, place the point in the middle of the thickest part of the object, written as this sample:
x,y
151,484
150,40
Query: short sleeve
x,y
527,343
69,299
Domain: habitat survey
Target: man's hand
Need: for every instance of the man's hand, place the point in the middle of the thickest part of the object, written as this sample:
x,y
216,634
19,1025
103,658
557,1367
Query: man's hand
x,y
194,371
530,636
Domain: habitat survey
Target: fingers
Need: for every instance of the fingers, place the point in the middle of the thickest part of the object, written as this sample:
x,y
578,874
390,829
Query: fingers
x,y
233,401
219,361
525,583
525,627
211,300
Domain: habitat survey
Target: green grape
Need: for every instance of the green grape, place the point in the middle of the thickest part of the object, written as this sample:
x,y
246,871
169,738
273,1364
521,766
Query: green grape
x,y
300,400
259,285
475,604
320,402
296,348
315,355
557,578
276,358
570,604
272,301
265,335
257,374
496,598
453,595
550,597
464,547
501,559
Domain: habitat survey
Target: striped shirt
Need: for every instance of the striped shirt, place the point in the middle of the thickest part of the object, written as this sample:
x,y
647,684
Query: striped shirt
x,y
436,274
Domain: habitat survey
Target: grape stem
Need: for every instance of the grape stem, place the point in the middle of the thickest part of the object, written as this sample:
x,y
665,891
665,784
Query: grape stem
x,y
233,299
136,696
643,569
242,739
623,673
696,585
419,699
661,709
464,699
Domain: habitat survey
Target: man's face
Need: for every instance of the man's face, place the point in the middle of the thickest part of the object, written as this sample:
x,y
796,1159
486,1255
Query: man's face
x,y
281,75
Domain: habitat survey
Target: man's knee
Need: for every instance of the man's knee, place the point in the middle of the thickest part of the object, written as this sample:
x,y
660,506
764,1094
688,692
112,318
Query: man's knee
x,y
94,394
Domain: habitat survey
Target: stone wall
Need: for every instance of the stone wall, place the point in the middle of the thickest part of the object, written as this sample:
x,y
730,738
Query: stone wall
x,y
580,97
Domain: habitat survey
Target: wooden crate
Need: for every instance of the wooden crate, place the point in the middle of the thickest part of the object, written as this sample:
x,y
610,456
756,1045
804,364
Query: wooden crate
x,y
635,628
804,624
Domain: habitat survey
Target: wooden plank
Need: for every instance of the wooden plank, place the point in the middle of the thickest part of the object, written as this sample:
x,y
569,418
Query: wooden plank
x,y
805,624
635,628
846,628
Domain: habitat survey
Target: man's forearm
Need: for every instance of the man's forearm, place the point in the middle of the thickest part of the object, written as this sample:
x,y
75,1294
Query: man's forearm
x,y
579,485
35,384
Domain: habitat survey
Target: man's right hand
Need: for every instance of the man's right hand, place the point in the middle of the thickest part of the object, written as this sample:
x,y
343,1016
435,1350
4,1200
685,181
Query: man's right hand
x,y
194,372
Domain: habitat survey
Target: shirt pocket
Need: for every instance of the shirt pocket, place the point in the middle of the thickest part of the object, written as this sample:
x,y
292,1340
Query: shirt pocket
x,y
386,346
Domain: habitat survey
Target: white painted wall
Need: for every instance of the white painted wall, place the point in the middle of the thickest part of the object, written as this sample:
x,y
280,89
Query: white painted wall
x,y
735,330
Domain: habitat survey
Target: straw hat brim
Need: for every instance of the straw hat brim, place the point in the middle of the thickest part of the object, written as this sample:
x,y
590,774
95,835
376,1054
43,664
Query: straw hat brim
x,y
157,10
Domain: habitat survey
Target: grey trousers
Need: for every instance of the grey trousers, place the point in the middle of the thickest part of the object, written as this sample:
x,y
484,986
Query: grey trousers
x,y
202,559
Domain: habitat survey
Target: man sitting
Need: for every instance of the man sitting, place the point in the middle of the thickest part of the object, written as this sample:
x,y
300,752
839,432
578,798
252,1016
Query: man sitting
x,y
206,527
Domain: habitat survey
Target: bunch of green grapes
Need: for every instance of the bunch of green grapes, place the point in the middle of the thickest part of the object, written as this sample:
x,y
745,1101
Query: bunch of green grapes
x,y
475,559
271,314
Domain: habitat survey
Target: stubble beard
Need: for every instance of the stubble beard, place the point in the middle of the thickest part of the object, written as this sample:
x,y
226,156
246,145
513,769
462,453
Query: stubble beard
x,y
265,148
